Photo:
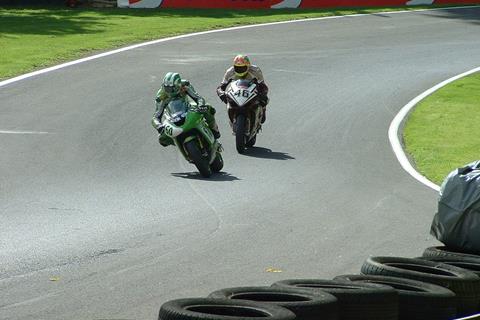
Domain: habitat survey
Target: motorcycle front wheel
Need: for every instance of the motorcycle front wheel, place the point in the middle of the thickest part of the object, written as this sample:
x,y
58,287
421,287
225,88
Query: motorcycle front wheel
x,y
217,164
198,159
240,133
252,141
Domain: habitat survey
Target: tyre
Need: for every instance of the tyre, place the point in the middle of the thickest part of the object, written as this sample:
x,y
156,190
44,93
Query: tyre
x,y
446,252
465,284
417,300
217,163
356,301
306,305
469,264
221,309
252,141
240,133
198,159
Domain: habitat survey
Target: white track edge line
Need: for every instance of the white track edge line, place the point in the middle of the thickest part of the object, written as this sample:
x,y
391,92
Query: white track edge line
x,y
477,316
108,53
22,132
397,121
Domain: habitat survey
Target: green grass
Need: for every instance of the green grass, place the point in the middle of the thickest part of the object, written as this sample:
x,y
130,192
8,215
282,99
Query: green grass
x,y
443,132
35,38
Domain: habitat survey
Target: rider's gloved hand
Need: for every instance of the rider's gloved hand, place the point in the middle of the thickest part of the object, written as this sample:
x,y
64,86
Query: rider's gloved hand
x,y
223,97
160,129
202,108
264,101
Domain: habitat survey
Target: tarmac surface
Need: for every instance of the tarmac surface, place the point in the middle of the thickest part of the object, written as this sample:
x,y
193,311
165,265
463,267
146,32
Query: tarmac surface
x,y
98,221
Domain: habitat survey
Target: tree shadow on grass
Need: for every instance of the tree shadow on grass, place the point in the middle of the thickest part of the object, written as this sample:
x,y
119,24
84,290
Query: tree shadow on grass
x,y
51,20
57,20
218,177
224,13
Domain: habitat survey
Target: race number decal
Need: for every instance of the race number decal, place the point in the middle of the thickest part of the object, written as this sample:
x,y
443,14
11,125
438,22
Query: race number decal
x,y
169,130
242,93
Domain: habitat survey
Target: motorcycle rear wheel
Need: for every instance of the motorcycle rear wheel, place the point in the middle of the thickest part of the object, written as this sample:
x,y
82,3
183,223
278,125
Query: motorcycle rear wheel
x,y
198,159
240,133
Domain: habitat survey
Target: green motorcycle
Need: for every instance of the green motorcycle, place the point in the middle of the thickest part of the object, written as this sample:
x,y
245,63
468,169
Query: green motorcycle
x,y
186,126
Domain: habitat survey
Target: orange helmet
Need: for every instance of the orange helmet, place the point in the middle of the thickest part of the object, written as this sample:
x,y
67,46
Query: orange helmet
x,y
241,63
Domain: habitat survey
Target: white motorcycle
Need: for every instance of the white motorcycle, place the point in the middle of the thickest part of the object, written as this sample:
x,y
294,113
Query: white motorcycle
x,y
244,112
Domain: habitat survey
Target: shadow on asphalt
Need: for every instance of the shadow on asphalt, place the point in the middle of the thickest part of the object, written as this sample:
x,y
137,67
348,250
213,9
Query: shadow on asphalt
x,y
471,15
219,177
265,153
381,15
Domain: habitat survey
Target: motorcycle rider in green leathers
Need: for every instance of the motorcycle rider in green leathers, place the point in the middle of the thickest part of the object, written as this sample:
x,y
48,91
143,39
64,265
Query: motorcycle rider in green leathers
x,y
174,87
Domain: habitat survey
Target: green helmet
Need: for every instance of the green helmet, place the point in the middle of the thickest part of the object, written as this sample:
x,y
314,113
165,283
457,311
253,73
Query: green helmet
x,y
172,83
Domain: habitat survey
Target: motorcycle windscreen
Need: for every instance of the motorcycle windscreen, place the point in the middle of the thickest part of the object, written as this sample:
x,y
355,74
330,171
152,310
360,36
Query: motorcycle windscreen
x,y
177,107
243,83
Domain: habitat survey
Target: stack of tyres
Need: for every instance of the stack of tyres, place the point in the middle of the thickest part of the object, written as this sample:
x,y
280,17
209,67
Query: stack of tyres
x,y
465,284
442,285
357,301
311,299
389,288
306,305
221,309
417,300
472,265
467,261
444,252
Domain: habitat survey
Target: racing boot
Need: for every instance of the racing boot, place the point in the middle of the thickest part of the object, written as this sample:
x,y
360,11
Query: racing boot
x,y
215,131
212,124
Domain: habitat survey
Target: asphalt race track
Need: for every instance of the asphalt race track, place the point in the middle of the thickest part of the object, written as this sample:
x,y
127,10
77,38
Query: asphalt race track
x,y
100,222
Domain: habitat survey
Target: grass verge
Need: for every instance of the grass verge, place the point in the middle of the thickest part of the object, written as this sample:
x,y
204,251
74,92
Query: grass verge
x,y
36,38
443,132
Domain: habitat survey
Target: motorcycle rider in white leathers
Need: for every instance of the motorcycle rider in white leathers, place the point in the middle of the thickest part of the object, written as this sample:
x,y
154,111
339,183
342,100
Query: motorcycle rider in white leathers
x,y
243,69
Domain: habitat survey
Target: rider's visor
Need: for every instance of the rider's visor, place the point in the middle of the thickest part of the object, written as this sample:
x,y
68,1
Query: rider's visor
x,y
240,69
170,89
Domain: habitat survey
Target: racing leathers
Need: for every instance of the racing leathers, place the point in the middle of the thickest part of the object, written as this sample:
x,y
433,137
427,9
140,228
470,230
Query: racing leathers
x,y
188,94
254,73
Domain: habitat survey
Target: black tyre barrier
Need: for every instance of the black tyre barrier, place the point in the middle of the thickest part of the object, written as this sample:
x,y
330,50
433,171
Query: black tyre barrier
x,y
472,265
445,252
221,309
465,284
359,301
306,305
416,300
